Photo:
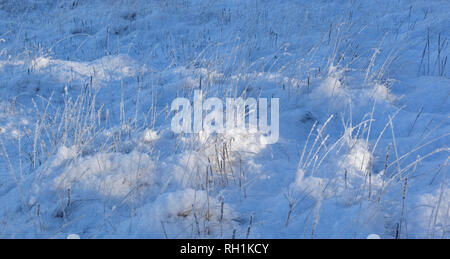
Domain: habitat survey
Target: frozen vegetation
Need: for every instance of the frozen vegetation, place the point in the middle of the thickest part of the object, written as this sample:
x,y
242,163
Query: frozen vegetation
x,y
87,149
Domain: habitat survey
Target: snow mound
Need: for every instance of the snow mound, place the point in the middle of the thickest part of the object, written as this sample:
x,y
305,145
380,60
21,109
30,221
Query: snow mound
x,y
432,214
114,175
190,213
104,69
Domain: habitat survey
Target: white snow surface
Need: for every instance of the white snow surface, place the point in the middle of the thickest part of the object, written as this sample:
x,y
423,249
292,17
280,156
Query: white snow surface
x,y
86,149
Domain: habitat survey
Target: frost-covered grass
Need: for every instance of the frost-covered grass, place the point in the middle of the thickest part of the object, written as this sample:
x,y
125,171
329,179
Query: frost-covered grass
x,y
86,146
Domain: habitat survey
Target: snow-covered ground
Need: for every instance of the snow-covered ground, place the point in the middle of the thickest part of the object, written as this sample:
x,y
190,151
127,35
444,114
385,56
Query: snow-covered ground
x,y
86,146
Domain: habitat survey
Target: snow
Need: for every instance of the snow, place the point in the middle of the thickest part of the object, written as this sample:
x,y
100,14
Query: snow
x,y
87,149
373,236
112,175
104,69
180,209
73,236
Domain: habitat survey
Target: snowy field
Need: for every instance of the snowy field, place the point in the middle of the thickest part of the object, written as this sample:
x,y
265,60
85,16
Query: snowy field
x,y
87,148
